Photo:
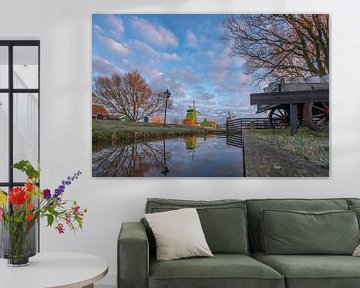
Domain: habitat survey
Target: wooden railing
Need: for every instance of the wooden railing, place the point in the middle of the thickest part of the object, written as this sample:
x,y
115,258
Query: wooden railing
x,y
238,124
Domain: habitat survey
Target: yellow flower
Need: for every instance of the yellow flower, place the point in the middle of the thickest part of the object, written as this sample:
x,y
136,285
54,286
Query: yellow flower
x,y
3,198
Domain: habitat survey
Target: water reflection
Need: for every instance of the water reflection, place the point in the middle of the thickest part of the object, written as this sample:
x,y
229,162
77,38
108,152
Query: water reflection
x,y
166,170
131,160
188,157
190,143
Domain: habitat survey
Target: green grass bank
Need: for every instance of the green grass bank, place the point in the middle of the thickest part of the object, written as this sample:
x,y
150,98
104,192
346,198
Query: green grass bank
x,y
130,132
309,144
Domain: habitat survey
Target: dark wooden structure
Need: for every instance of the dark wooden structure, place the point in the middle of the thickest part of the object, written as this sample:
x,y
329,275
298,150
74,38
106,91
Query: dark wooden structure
x,y
250,123
294,103
234,139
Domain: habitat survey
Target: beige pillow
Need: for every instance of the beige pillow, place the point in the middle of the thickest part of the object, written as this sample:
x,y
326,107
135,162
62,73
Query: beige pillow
x,y
178,234
357,251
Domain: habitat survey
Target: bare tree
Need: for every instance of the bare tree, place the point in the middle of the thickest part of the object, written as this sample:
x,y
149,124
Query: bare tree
x,y
128,94
275,45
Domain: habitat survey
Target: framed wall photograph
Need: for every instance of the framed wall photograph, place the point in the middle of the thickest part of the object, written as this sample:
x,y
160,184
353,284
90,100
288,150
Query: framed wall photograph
x,y
210,95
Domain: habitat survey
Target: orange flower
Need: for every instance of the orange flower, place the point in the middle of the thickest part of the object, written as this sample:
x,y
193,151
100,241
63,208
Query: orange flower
x,y
29,186
17,196
29,206
29,217
27,196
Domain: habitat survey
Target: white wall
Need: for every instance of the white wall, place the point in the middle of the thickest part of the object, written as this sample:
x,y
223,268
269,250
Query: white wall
x,y
64,28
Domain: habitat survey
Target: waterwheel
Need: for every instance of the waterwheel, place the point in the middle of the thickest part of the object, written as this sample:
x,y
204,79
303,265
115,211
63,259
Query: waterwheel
x,y
316,115
279,115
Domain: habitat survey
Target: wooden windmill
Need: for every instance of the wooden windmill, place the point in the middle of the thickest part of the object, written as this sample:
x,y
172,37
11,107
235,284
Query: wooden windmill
x,y
191,116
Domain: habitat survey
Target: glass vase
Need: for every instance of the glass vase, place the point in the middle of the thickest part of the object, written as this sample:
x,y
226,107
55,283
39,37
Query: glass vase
x,y
18,242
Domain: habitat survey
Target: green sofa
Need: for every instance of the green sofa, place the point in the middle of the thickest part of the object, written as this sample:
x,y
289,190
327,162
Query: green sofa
x,y
234,232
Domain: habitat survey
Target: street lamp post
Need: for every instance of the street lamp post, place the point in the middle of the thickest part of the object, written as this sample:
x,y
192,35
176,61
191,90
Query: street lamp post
x,y
166,169
167,95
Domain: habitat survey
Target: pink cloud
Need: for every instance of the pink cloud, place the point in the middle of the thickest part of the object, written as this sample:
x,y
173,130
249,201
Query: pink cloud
x,y
145,50
152,72
151,55
115,46
154,33
103,66
177,88
245,79
170,56
186,74
221,64
116,24
203,94
191,39
220,76
221,60
98,29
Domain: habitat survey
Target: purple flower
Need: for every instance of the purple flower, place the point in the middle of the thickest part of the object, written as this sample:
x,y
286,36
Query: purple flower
x,y
58,193
68,181
46,194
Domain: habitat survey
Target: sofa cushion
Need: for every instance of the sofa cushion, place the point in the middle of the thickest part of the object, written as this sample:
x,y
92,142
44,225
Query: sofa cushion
x,y
297,232
178,234
222,270
356,209
353,201
255,206
313,271
223,221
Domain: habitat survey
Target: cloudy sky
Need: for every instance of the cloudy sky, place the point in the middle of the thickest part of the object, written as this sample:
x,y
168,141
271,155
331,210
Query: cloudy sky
x,y
182,53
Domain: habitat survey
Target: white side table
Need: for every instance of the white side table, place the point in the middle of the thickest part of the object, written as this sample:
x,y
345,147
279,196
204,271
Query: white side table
x,y
50,270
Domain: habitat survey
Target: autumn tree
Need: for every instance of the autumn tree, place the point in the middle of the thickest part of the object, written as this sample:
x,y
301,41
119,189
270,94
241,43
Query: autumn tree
x,y
128,94
157,119
280,45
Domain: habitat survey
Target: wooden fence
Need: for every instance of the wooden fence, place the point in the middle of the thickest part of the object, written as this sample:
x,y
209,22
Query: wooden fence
x,y
238,124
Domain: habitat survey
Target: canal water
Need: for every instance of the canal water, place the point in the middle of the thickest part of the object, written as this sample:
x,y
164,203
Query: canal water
x,y
209,156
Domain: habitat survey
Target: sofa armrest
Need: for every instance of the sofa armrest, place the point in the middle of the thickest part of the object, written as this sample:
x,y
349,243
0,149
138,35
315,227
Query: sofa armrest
x,y
133,256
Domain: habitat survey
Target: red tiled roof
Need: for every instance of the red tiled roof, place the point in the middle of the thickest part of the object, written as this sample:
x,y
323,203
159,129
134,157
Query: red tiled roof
x,y
98,109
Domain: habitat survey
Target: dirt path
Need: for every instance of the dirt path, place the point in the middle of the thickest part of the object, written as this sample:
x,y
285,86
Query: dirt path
x,y
264,160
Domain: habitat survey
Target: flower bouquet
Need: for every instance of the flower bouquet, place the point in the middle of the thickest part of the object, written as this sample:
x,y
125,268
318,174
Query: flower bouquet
x,y
21,208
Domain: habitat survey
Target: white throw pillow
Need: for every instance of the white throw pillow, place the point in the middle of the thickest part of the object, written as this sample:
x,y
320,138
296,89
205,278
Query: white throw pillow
x,y
357,251
178,234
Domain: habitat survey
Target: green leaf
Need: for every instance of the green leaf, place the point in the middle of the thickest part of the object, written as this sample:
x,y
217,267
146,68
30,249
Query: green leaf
x,y
26,167
50,219
53,211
